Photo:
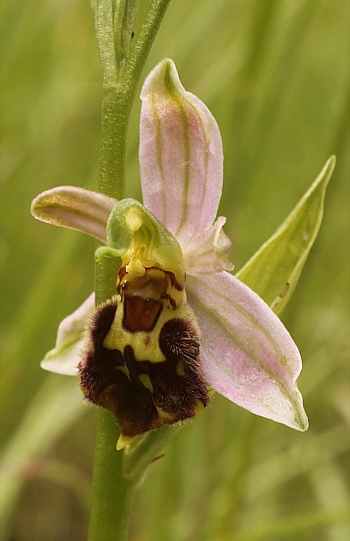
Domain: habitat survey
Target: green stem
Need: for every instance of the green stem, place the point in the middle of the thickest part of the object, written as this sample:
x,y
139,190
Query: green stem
x,y
119,90
114,131
113,491
116,473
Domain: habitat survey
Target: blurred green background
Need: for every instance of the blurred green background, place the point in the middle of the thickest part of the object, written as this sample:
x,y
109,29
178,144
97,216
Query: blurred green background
x,y
275,74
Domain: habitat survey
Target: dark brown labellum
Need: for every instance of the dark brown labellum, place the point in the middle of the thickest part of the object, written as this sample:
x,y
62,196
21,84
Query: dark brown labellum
x,y
142,362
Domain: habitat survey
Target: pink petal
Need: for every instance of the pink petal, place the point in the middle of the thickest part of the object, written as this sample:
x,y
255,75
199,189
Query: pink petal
x,y
74,208
247,354
181,157
65,356
207,253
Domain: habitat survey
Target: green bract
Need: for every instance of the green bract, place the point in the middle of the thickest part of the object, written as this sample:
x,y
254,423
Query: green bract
x,y
274,270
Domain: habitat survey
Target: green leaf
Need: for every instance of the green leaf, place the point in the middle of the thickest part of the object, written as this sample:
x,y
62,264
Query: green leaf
x,y
274,270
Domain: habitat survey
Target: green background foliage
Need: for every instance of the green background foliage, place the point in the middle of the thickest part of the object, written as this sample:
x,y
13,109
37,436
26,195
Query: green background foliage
x,y
275,75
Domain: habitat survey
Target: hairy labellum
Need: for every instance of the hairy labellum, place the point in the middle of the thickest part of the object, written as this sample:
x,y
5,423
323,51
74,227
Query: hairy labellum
x,y
142,359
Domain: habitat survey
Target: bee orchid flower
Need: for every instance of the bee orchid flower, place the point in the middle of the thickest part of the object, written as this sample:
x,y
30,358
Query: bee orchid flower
x,y
180,323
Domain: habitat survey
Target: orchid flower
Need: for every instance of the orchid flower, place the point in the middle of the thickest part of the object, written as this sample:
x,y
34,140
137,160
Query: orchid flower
x,y
180,324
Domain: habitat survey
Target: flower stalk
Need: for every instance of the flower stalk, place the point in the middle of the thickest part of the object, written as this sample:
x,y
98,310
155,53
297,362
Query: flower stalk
x,y
121,74
121,64
112,490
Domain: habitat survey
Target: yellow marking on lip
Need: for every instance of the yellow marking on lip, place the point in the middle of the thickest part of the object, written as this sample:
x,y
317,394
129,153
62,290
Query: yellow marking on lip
x,y
146,382
123,441
117,337
163,414
199,408
125,371
180,369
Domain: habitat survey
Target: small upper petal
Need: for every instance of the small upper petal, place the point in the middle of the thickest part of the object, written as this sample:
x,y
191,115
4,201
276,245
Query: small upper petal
x,y
181,157
247,354
66,355
207,253
74,208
